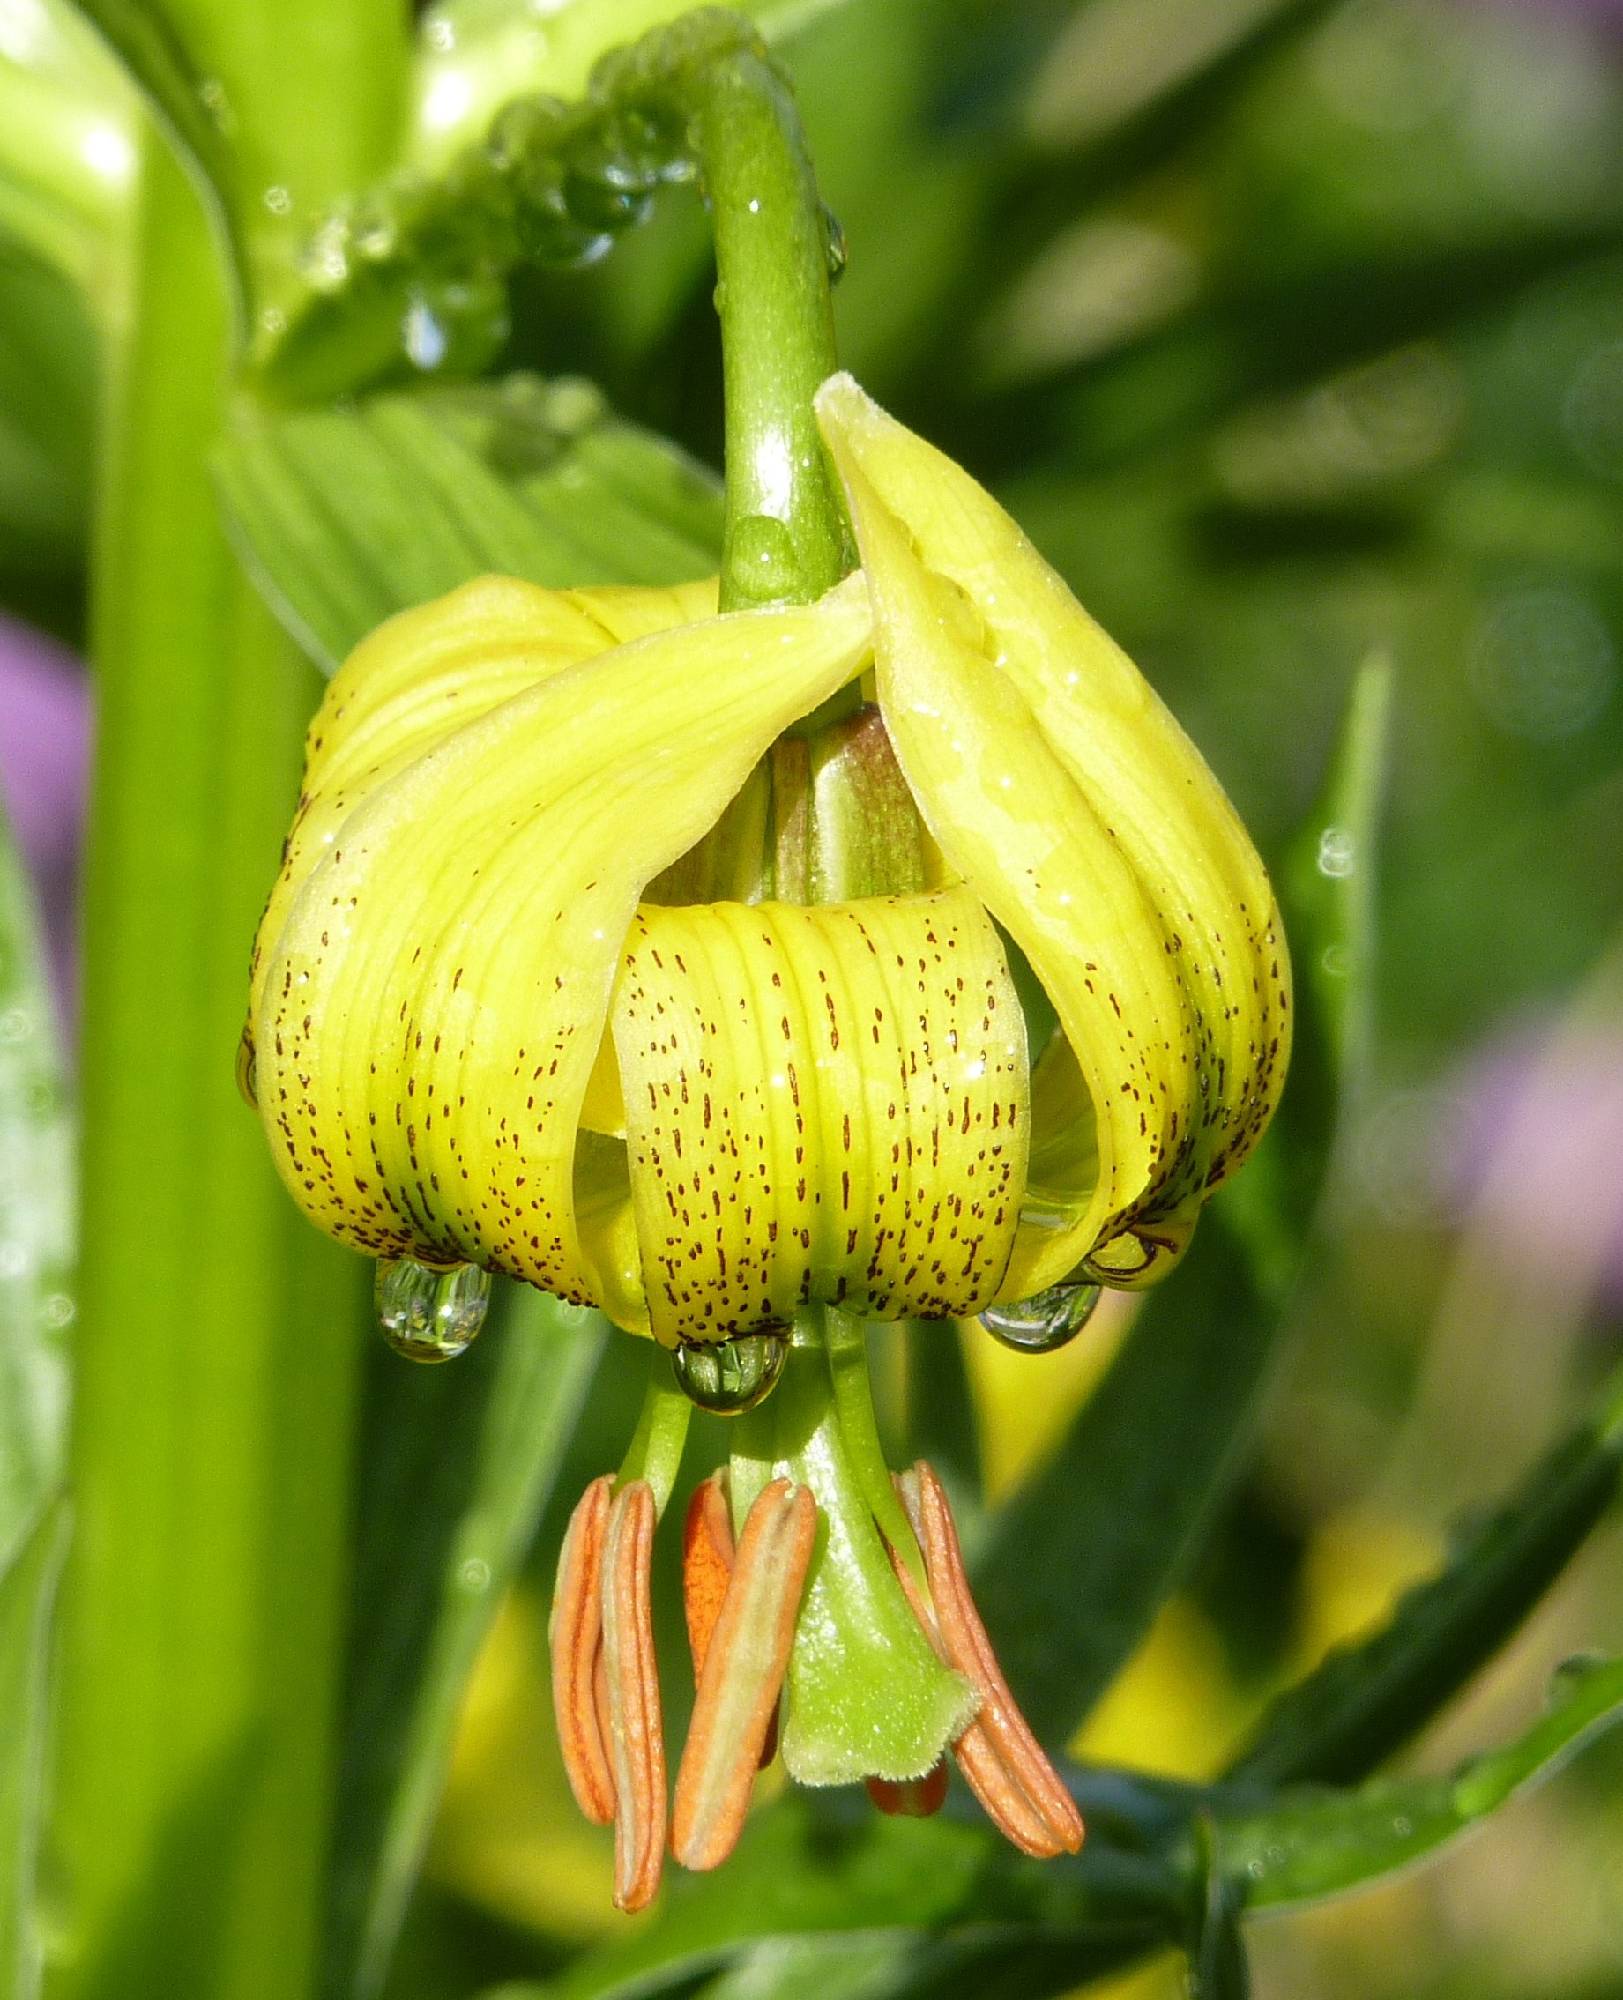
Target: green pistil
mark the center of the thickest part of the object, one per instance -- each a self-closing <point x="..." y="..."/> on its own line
<point x="867" y="1694"/>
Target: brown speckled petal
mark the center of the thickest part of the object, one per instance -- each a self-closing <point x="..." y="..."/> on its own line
<point x="1064" y="793"/>
<point x="433" y="998"/>
<point x="822" y="1104"/>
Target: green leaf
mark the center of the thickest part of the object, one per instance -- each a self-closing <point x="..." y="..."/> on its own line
<point x="821" y="1868"/>
<point x="1327" y="887"/>
<point x="48" y="389"/>
<point x="1073" y="1569"/>
<point x="67" y="147"/>
<point x="1217" y="1961"/>
<point x="347" y="516"/>
<point x="990" y="1961"/>
<point x="152" y="44"/>
<point x="36" y="1306"/>
<point x="1367" y="1699"/>
<point x="480" y="54"/>
<point x="1316" y="1844"/>
<point x="456" y="1465"/>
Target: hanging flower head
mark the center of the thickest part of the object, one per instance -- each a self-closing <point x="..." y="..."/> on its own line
<point x="482" y="1034"/>
<point x="594" y="962"/>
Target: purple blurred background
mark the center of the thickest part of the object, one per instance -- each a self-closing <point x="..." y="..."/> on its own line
<point x="44" y="779"/>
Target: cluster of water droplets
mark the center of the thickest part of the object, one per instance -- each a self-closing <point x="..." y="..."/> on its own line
<point x="1048" y="1319"/>
<point x="728" y="1377"/>
<point x="550" y="183"/>
<point x="428" y="1314"/>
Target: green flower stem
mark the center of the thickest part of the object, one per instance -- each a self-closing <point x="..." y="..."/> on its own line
<point x="785" y="538"/>
<point x="867" y="1694"/>
<point x="847" y="1343"/>
<point x="655" y="1451"/>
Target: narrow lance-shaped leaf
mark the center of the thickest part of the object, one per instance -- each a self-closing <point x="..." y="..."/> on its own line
<point x="36" y="1230"/>
<point x="1320" y="1843"/>
<point x="347" y="516"/>
<point x="1367" y="1699"/>
<point x="455" y="1466"/>
<point x="993" y="1961"/>
<point x="1076" y="1565"/>
<point x="1217" y="1962"/>
<point x="821" y="1871"/>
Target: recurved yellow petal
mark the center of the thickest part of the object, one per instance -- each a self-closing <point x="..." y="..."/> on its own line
<point x="433" y="991"/>
<point x="1067" y="796"/>
<point x="434" y="669"/>
<point x="822" y="1103"/>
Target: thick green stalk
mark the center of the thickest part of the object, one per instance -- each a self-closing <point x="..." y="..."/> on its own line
<point x="202" y="1608"/>
<point x="785" y="540"/>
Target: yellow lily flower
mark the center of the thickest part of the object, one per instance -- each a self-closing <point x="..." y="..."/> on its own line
<point x="475" y="1042"/>
<point x="521" y="1004"/>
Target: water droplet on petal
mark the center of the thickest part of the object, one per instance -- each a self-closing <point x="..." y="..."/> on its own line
<point x="727" y="1377"/>
<point x="1045" y="1321"/>
<point x="430" y="1315"/>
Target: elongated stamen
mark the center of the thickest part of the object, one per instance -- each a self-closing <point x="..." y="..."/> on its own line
<point x="976" y="1753"/>
<point x="707" y="1564"/>
<point x="708" y="1553"/>
<point x="636" y="1730"/>
<point x="1000" y="1758"/>
<point x="574" y="1637"/>
<point x="744" y="1664"/>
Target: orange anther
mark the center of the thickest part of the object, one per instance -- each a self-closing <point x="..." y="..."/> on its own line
<point x="744" y="1664"/>
<point x="574" y="1636"/>
<point x="1000" y="1758"/>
